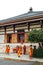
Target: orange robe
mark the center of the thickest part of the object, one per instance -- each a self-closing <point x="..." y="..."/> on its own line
<point x="30" y="52"/>
<point x="19" y="52"/>
<point x="7" y="49"/>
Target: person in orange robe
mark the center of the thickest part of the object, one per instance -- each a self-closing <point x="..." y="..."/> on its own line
<point x="7" y="49"/>
<point x="19" y="51"/>
<point x="17" y="48"/>
<point x="30" y="51"/>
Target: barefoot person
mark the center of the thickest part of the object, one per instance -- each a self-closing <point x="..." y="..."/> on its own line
<point x="30" y="51"/>
<point x="19" y="51"/>
<point x="7" y="49"/>
<point x="24" y="49"/>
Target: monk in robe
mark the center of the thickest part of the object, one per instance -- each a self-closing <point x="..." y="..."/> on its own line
<point x="24" y="49"/>
<point x="30" y="51"/>
<point x="7" y="49"/>
<point x="19" y="51"/>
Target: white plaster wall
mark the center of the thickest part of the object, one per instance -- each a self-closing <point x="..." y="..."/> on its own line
<point x="1" y="38"/>
<point x="3" y="46"/>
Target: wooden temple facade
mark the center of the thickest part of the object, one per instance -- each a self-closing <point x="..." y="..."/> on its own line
<point x="16" y="29"/>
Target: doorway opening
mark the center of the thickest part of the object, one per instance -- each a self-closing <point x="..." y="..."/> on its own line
<point x="20" y="36"/>
<point x="9" y="38"/>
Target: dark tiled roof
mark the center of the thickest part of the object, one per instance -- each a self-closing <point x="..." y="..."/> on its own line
<point x="29" y="14"/>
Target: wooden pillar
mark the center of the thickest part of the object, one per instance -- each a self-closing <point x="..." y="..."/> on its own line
<point x="5" y="29"/>
<point x="26" y="37"/>
<point x="5" y="38"/>
<point x="28" y="26"/>
<point x="26" y="34"/>
<point x="5" y="35"/>
<point x="14" y="28"/>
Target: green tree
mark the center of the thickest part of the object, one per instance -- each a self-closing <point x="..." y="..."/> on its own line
<point x="35" y="36"/>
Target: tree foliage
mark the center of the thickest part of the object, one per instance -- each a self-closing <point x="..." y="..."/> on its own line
<point x="35" y="36"/>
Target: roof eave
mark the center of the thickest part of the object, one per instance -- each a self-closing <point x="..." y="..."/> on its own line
<point x="22" y="20"/>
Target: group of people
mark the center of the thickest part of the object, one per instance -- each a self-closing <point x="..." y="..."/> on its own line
<point x="20" y="50"/>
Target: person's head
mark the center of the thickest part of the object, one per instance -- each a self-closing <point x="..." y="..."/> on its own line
<point x="8" y="45"/>
<point x="17" y="47"/>
<point x="34" y="47"/>
<point x="31" y="46"/>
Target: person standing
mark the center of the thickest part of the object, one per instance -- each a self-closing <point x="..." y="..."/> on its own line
<point x="24" y="49"/>
<point x="30" y="51"/>
<point x="7" y="49"/>
<point x="19" y="51"/>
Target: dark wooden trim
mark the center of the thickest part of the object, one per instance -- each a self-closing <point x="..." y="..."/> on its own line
<point x="5" y="29"/>
<point x="28" y="26"/>
<point x="35" y="23"/>
<point x="13" y="28"/>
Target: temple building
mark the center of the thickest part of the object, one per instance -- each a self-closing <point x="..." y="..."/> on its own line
<point x="16" y="29"/>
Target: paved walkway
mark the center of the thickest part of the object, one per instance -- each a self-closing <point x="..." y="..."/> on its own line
<point x="22" y="58"/>
<point x="11" y="62"/>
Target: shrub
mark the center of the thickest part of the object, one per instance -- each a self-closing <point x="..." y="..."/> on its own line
<point x="38" y="53"/>
<point x="35" y="36"/>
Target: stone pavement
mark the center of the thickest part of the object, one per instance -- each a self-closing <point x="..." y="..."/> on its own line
<point x="22" y="58"/>
<point x="11" y="62"/>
